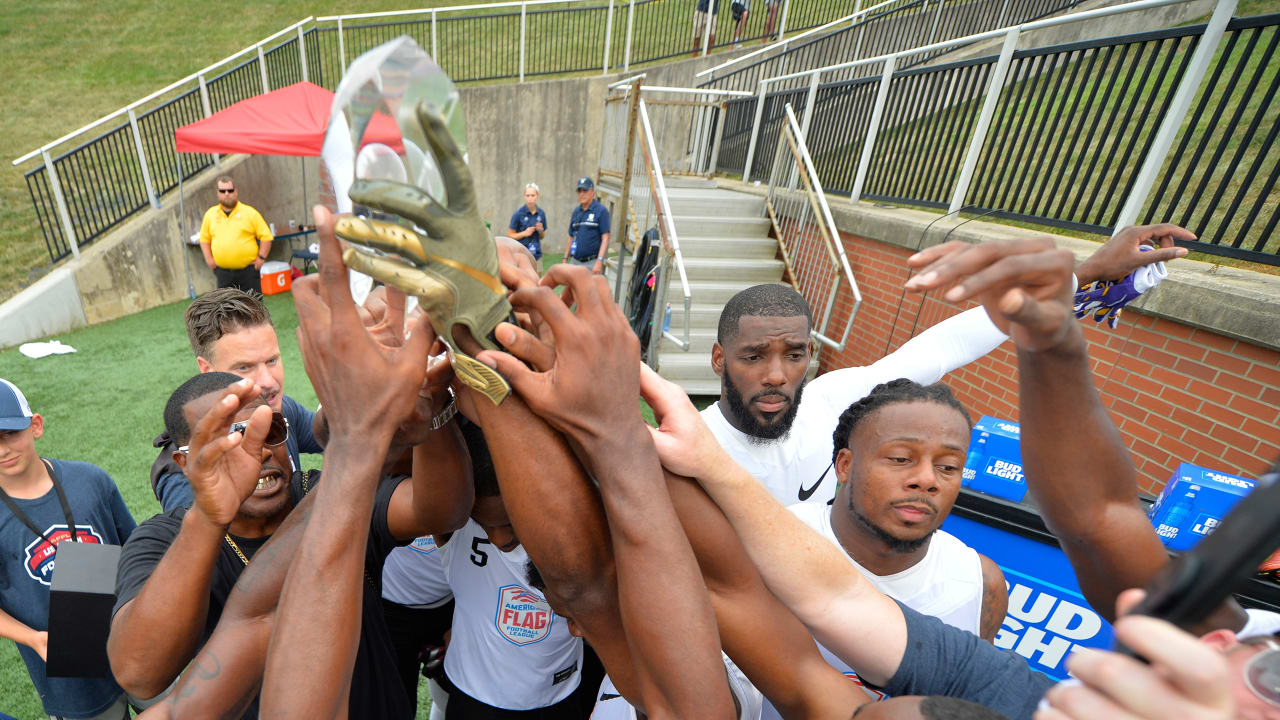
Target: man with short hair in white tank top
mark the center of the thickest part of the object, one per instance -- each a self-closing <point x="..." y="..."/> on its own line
<point x="899" y="453"/>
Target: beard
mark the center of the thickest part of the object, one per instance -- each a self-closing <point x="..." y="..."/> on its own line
<point x="758" y="432"/>
<point x="894" y="543"/>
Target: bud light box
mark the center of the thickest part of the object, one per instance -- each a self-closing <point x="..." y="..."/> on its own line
<point x="1193" y="503"/>
<point x="994" y="465"/>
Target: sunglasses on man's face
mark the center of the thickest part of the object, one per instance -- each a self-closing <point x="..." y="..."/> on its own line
<point x="226" y="190"/>
<point x="277" y="434"/>
<point x="1262" y="671"/>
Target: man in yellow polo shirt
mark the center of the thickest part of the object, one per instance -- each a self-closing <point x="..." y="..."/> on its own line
<point x="235" y="240"/>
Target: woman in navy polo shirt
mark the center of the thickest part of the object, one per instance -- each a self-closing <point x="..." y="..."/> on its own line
<point x="529" y="222"/>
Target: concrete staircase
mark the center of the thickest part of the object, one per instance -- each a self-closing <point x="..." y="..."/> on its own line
<point x="724" y="237"/>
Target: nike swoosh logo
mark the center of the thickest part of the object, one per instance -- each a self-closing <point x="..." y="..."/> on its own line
<point x="805" y="493"/>
<point x="608" y="696"/>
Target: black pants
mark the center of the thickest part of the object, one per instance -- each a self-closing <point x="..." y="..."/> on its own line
<point x="411" y="630"/>
<point x="577" y="706"/>
<point x="246" y="278"/>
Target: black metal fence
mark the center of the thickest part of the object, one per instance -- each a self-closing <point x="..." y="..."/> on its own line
<point x="1072" y="127"/>
<point x="899" y="26"/>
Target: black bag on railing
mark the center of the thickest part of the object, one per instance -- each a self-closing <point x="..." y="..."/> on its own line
<point x="640" y="294"/>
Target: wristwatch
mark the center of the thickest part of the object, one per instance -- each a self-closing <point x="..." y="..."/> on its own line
<point x="444" y="416"/>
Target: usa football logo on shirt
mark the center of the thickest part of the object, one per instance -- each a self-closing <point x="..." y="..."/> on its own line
<point x="522" y="617"/>
<point x="425" y="545"/>
<point x="41" y="553"/>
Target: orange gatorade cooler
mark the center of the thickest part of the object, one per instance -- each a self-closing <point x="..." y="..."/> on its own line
<point x="276" y="278"/>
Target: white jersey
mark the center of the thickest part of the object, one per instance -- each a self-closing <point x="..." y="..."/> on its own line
<point x="612" y="706"/>
<point x="413" y="575"/>
<point x="798" y="466"/>
<point x="508" y="649"/>
<point x="1260" y="624"/>
<point x="946" y="584"/>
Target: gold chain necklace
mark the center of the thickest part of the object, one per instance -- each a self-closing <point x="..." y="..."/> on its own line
<point x="236" y="548"/>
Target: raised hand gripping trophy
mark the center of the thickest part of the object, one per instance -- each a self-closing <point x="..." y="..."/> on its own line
<point x="415" y="223"/>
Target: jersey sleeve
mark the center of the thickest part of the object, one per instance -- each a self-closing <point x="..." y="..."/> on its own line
<point x="302" y="423"/>
<point x="380" y="537"/>
<point x="952" y="343"/>
<point x="515" y="221"/>
<point x="605" y="222"/>
<point x="945" y="660"/>
<point x="142" y="553"/>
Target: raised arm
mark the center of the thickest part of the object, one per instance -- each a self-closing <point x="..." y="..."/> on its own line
<point x="786" y="665"/>
<point x="155" y="634"/>
<point x="1077" y="467"/>
<point x="367" y="391"/>
<point x="227" y="672"/>
<point x="680" y="668"/>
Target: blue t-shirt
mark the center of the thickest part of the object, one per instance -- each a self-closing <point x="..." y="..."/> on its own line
<point x="585" y="229"/>
<point x="173" y="490"/>
<point x="522" y="220"/>
<point x="26" y="571"/>
<point x="944" y="660"/>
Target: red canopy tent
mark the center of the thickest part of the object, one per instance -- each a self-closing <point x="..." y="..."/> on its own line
<point x="289" y="121"/>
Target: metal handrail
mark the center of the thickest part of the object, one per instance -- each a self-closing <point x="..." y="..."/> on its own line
<point x="890" y="59"/>
<point x="671" y="242"/>
<point x="850" y="19"/>
<point x="817" y="202"/>
<point x="195" y="76"/>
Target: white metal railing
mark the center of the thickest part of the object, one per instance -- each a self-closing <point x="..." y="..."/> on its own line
<point x="690" y="124"/>
<point x="1010" y="34"/>
<point x="811" y="247"/>
<point x="782" y="44"/>
<point x="193" y="77"/>
<point x="660" y="210"/>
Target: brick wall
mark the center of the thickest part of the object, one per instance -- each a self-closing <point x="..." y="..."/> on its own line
<point x="1177" y="393"/>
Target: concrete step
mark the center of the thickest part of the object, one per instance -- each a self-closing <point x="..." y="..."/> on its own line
<point x="703" y="225"/>
<point x="715" y="202"/>
<point x="712" y="292"/>
<point x="701" y="339"/>
<point x="754" y="271"/>
<point x="695" y="246"/>
<point x="695" y="367"/>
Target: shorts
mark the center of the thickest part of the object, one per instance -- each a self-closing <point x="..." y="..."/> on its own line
<point x="119" y="710"/>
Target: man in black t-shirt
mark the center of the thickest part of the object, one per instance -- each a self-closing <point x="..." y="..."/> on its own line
<point x="176" y="579"/>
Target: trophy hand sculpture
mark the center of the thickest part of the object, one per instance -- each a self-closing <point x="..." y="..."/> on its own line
<point x="448" y="259"/>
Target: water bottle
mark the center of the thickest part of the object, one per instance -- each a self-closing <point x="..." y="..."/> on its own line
<point x="666" y="320"/>
<point x="1178" y="513"/>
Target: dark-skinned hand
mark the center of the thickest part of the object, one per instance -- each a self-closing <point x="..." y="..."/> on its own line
<point x="1024" y="285"/>
<point x="1121" y="255"/>
<point x="588" y="390"/>
<point x="365" y="386"/>
<point x="223" y="468"/>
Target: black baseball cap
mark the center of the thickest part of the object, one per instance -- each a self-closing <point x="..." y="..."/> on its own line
<point x="584" y="183"/>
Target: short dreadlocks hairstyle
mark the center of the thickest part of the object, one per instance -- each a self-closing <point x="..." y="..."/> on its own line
<point x="769" y="300"/>
<point x="222" y="311"/>
<point x="893" y="392"/>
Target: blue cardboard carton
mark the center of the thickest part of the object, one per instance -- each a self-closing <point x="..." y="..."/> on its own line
<point x="994" y="464"/>
<point x="1193" y="503"/>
